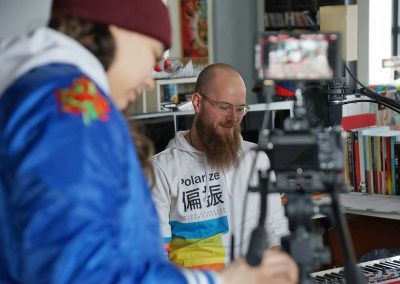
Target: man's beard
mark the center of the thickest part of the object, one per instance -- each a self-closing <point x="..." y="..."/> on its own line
<point x="222" y="151"/>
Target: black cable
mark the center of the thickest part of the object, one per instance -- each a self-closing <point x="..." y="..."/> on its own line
<point x="371" y="101"/>
<point x="387" y="102"/>
<point x="358" y="101"/>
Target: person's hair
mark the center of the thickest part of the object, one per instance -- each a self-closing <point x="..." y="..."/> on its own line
<point x="97" y="38"/>
<point x="144" y="147"/>
<point x="206" y="78"/>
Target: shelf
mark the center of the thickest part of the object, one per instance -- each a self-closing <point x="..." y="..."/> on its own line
<point x="289" y="20"/>
<point x="293" y="5"/>
<point x="375" y="205"/>
<point x="155" y="97"/>
<point x="331" y="2"/>
<point x="287" y="28"/>
<point x="166" y="81"/>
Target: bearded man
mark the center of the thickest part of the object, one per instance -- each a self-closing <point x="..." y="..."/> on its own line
<point x="202" y="177"/>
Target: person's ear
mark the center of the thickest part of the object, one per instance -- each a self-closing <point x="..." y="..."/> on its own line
<point x="196" y="101"/>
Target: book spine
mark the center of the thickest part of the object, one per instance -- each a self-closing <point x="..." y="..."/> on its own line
<point x="361" y="152"/>
<point x="346" y="159"/>
<point x="351" y="161"/>
<point x="369" y="172"/>
<point x="397" y="166"/>
<point x="383" y="164"/>
<point x="392" y="160"/>
<point x="388" y="166"/>
<point x="356" y="157"/>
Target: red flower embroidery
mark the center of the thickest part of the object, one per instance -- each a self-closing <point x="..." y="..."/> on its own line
<point x="82" y="97"/>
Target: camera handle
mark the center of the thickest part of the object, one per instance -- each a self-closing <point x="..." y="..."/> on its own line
<point x="259" y="236"/>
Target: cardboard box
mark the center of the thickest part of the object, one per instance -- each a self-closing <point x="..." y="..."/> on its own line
<point x="343" y="19"/>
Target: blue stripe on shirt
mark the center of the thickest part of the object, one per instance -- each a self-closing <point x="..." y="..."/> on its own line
<point x="199" y="230"/>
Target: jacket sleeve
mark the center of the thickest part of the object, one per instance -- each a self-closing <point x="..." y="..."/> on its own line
<point x="77" y="206"/>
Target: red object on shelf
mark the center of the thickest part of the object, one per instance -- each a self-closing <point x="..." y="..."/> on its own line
<point x="358" y="121"/>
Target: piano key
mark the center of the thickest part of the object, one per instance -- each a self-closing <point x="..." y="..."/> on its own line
<point x="380" y="271"/>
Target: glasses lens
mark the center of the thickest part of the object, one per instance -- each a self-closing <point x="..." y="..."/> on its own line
<point x="245" y="110"/>
<point x="225" y="107"/>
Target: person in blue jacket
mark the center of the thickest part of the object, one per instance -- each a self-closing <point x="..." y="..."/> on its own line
<point x="75" y="206"/>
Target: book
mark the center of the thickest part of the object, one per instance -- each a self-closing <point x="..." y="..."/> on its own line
<point x="357" y="162"/>
<point x="384" y="168"/>
<point x="397" y="167"/>
<point x="360" y="153"/>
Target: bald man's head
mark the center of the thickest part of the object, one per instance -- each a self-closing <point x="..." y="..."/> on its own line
<point x="209" y="75"/>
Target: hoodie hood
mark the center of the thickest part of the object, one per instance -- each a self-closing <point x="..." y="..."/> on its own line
<point x="179" y="142"/>
<point x="44" y="46"/>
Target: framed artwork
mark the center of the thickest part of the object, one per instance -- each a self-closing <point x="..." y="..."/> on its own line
<point x="195" y="27"/>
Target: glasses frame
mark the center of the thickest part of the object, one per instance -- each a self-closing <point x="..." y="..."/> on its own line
<point x="226" y="108"/>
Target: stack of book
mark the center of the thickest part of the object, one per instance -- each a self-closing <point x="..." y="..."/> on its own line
<point x="371" y="156"/>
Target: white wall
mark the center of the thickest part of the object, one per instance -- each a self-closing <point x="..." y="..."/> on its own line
<point x="374" y="43"/>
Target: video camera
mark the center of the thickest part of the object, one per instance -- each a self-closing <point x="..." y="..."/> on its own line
<point x="301" y="157"/>
<point x="304" y="159"/>
<point x="299" y="154"/>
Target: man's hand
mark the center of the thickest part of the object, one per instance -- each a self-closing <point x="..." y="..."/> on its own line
<point x="276" y="267"/>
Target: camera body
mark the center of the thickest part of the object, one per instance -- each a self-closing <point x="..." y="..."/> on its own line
<point x="308" y="159"/>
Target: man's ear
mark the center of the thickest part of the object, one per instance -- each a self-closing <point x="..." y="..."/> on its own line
<point x="196" y="101"/>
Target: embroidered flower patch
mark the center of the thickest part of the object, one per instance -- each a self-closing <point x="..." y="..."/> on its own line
<point x="82" y="97"/>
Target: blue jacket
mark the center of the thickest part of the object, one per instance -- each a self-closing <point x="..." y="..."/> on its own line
<point x="74" y="204"/>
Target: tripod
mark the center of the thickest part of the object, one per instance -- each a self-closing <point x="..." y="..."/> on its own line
<point x="305" y="246"/>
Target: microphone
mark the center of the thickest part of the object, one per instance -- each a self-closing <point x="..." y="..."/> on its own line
<point x="335" y="111"/>
<point x="335" y="89"/>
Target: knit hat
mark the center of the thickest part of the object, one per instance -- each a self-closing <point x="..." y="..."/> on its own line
<point x="147" y="17"/>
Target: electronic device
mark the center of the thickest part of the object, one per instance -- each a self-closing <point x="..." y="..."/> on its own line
<point x="298" y="56"/>
<point x="385" y="270"/>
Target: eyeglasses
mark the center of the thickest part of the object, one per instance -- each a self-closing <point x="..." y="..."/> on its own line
<point x="227" y="108"/>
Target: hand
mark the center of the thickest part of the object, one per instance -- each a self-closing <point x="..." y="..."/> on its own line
<point x="276" y="267"/>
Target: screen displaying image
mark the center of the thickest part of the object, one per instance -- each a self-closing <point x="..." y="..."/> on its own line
<point x="300" y="56"/>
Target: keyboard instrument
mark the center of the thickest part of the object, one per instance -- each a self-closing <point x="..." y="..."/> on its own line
<point x="386" y="270"/>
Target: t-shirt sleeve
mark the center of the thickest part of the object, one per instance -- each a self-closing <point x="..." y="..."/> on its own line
<point x="162" y="199"/>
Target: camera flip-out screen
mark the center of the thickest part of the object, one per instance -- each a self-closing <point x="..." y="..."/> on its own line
<point x="299" y="56"/>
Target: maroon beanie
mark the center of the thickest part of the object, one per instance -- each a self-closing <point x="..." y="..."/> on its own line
<point x="148" y="17"/>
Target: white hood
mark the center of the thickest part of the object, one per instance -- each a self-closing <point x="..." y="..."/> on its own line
<point x="179" y="142"/>
<point x="43" y="46"/>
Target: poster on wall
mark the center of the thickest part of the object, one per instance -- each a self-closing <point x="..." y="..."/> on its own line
<point x="194" y="23"/>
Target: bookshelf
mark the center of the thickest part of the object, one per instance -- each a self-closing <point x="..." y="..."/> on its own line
<point x="291" y="15"/>
<point x="151" y="101"/>
<point x="156" y="97"/>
